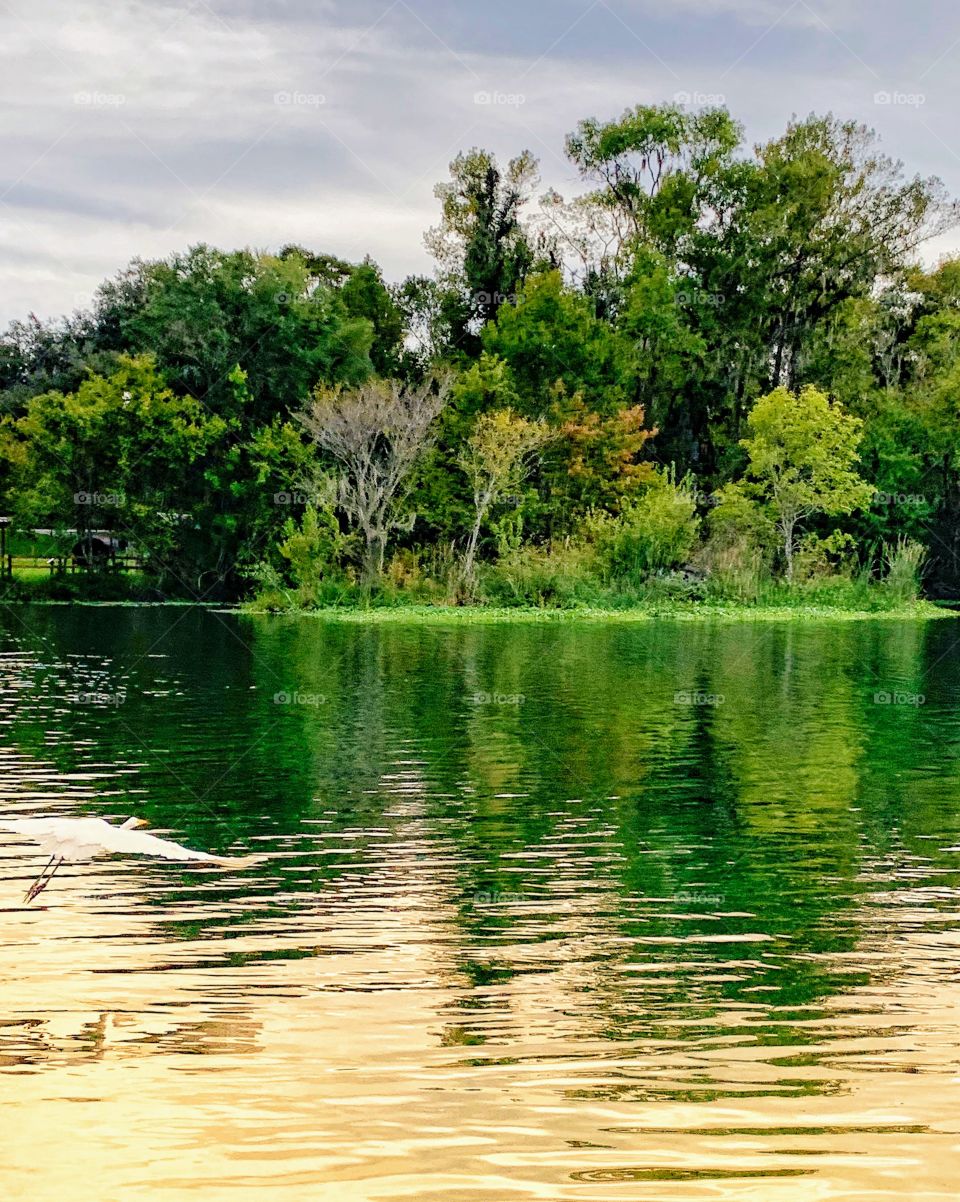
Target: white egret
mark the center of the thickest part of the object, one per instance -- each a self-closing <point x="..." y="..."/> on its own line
<point x="79" y="839"/>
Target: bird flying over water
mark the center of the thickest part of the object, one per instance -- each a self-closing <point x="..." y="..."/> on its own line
<point x="78" y="839"/>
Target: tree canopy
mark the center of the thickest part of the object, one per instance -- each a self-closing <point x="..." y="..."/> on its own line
<point x="752" y="328"/>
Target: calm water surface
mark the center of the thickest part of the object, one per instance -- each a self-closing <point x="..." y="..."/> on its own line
<point x="584" y="912"/>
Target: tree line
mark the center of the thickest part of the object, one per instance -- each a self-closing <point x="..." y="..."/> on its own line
<point x="714" y="369"/>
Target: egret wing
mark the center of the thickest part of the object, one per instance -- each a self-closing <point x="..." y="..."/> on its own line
<point x="139" y="843"/>
<point x="31" y="827"/>
<point x="91" y="835"/>
<point x="44" y="831"/>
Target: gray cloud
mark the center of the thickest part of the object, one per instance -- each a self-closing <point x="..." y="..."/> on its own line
<point x="138" y="128"/>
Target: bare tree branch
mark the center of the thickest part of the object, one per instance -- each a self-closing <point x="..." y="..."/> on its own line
<point x="377" y="432"/>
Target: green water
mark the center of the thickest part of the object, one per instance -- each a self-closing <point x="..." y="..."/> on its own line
<point x="560" y="911"/>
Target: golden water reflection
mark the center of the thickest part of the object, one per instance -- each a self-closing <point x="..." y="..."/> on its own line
<point x="436" y="988"/>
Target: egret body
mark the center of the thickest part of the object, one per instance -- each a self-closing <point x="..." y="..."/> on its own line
<point x="78" y="839"/>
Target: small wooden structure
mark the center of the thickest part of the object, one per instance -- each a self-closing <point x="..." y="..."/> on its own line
<point x="67" y="551"/>
<point x="97" y="550"/>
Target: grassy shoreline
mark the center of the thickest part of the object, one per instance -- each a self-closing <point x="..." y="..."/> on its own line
<point x="436" y="613"/>
<point x="676" y="611"/>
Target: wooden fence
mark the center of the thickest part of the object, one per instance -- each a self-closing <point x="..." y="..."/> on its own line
<point x="63" y="565"/>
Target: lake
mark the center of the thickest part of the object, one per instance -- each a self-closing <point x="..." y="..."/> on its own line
<point x="564" y="911"/>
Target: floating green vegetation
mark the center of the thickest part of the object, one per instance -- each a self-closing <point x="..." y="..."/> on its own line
<point x="680" y="612"/>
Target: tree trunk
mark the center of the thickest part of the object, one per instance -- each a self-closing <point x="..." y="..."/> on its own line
<point x="373" y="560"/>
<point x="482" y="504"/>
<point x="788" y="529"/>
<point x="778" y="356"/>
<point x="472" y="547"/>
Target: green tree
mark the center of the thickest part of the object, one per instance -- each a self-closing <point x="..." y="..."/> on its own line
<point x="668" y="351"/>
<point x="435" y="315"/>
<point x="203" y="313"/>
<point x="581" y="374"/>
<point x="803" y="460"/>
<point x="785" y="243"/>
<point x="651" y="165"/>
<point x="42" y="356"/>
<point x="123" y="453"/>
<point x="366" y="297"/>
<point x="481" y="242"/>
<point x="832" y="215"/>
<point x="497" y="458"/>
<point x="552" y="336"/>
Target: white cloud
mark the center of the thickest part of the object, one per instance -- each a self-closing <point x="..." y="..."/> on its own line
<point x="138" y="128"/>
<point x="791" y="13"/>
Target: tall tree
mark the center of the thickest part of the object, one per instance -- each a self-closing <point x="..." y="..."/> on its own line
<point x="123" y="453"/>
<point x="829" y="215"/>
<point x="39" y="356"/>
<point x="651" y="166"/>
<point x="567" y="365"/>
<point x="481" y="243"/>
<point x="206" y="312"/>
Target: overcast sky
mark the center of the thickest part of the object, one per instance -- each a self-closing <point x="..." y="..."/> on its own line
<point x="138" y="128"/>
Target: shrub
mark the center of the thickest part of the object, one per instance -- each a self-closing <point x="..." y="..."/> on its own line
<point x="736" y="570"/>
<point x="739" y="547"/>
<point x="558" y="576"/>
<point x="421" y="575"/>
<point x="313" y="552"/>
<point x="821" y="558"/>
<point x="653" y="534"/>
<point x="904" y="561"/>
<point x="313" y="549"/>
<point x="737" y="518"/>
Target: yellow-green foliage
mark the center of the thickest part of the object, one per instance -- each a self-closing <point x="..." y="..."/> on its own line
<point x="314" y="548"/>
<point x="904" y="561"/>
<point x="820" y="557"/>
<point x="652" y="534"/>
<point x="803" y="460"/>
